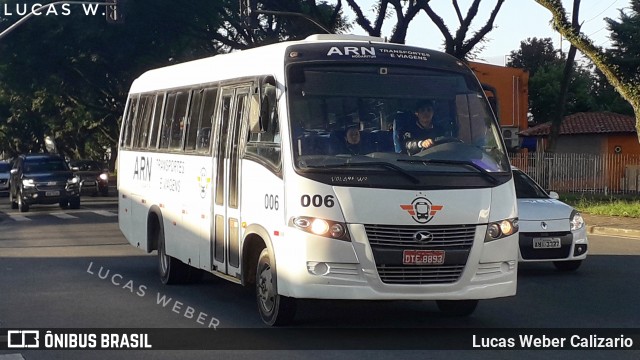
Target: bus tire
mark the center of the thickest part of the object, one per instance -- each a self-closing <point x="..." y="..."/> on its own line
<point x="571" y="265"/>
<point x="274" y="309"/>
<point x="172" y="270"/>
<point x="458" y="308"/>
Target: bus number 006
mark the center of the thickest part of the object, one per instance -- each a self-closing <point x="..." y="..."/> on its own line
<point x="317" y="201"/>
<point x="271" y="202"/>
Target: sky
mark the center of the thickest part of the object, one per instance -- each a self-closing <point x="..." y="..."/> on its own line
<point x="517" y="20"/>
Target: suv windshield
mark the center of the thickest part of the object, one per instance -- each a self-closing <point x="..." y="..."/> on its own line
<point x="342" y="116"/>
<point x="44" y="165"/>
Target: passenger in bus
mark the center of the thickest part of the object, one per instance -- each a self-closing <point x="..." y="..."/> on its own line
<point x="415" y="132"/>
<point x="351" y="142"/>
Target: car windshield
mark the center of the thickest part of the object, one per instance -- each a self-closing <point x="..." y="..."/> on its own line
<point x="44" y="165"/>
<point x="5" y="167"/>
<point x="351" y="117"/>
<point x="526" y="188"/>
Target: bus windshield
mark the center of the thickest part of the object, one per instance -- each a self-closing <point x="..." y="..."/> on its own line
<point x="349" y="117"/>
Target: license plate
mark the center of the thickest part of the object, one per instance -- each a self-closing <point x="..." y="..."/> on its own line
<point x="423" y="257"/>
<point x="546" y="243"/>
<point x="52" y="193"/>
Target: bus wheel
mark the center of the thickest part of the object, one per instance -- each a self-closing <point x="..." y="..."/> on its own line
<point x="172" y="270"/>
<point x="274" y="309"/>
<point x="457" y="307"/>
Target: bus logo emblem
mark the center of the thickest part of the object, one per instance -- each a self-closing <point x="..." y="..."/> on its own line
<point x="423" y="237"/>
<point x="421" y="210"/>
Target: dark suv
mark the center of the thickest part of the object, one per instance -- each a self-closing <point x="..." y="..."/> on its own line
<point x="43" y="179"/>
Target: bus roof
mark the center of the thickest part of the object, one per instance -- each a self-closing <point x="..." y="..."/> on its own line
<point x="270" y="59"/>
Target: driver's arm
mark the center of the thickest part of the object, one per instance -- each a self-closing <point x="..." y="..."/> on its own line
<point x="414" y="146"/>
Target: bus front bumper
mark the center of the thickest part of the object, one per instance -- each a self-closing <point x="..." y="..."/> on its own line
<point x="347" y="270"/>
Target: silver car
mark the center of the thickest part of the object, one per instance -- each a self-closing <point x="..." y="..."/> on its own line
<point x="550" y="230"/>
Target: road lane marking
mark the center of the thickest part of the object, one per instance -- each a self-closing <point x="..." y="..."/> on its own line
<point x="62" y="215"/>
<point x="104" y="213"/>
<point x="19" y="218"/>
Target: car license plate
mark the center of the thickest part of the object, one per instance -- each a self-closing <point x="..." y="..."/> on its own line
<point x="423" y="257"/>
<point x="546" y="243"/>
<point x="52" y="193"/>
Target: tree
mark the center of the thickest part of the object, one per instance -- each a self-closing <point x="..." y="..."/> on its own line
<point x="545" y="88"/>
<point x="456" y="44"/>
<point x="628" y="85"/>
<point x="533" y="54"/>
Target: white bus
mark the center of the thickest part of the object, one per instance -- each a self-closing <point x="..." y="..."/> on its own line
<point x="236" y="165"/>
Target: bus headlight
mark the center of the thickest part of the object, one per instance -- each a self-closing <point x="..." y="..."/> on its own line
<point x="499" y="229"/>
<point x="327" y="228"/>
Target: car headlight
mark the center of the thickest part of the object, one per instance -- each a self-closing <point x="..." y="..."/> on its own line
<point x="28" y="183"/>
<point x="104" y="177"/>
<point x="73" y="180"/>
<point x="577" y="222"/>
<point x="500" y="229"/>
<point x="327" y="228"/>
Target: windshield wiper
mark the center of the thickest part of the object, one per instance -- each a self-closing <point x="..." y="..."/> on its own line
<point x="383" y="164"/>
<point x="473" y="165"/>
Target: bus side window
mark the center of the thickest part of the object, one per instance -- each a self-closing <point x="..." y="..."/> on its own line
<point x="128" y="122"/>
<point x="203" y="140"/>
<point x="193" y="121"/>
<point x="266" y="144"/>
<point x="165" y="127"/>
<point x="178" y="121"/>
<point x="156" y="122"/>
<point x="141" y="133"/>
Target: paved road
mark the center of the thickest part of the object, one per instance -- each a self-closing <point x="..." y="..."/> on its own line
<point x="77" y="271"/>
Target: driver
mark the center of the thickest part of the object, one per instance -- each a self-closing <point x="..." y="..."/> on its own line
<point x="417" y="132"/>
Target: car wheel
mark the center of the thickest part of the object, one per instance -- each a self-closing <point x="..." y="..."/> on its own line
<point x="572" y="265"/>
<point x="274" y="309"/>
<point x="172" y="270"/>
<point x="457" y="307"/>
<point x="23" y="206"/>
<point x="14" y="204"/>
<point x="105" y="191"/>
<point x="74" y="203"/>
<point x="64" y="204"/>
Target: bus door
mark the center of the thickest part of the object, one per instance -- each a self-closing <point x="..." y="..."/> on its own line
<point x="233" y="110"/>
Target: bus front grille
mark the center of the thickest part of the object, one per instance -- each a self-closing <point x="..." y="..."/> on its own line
<point x="389" y="243"/>
<point x="420" y="275"/>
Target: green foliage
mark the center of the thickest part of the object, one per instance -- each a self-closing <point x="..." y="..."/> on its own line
<point x="544" y="90"/>
<point x="624" y="41"/>
<point x="588" y="90"/>
<point x="598" y="204"/>
<point x="534" y="54"/>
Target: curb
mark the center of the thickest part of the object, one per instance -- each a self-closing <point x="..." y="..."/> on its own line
<point x="601" y="230"/>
